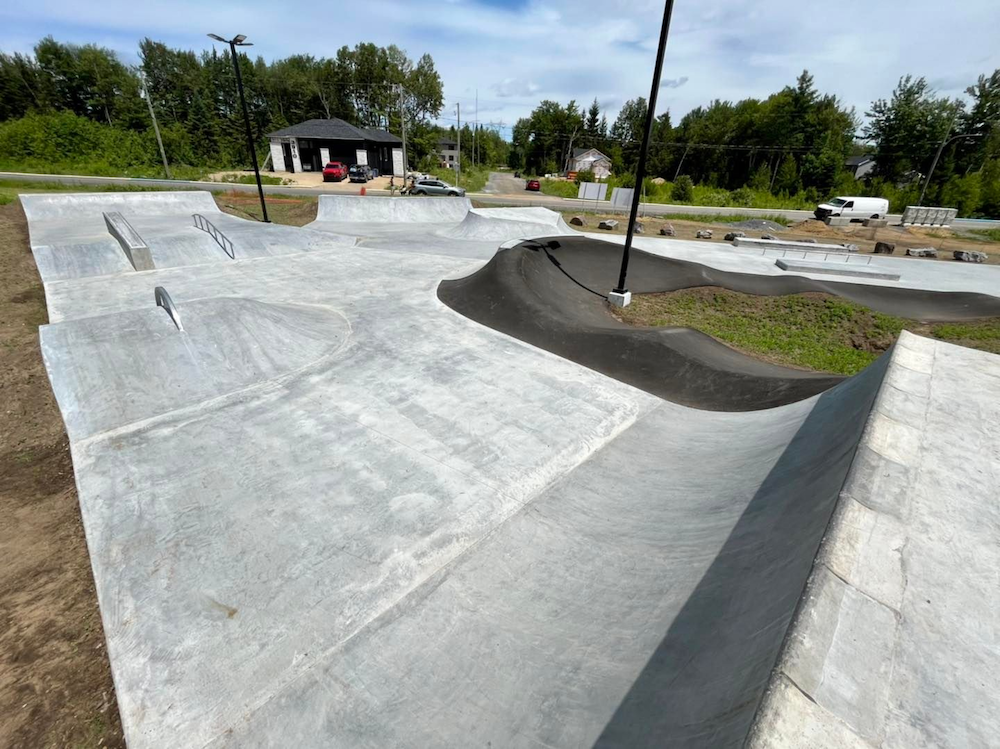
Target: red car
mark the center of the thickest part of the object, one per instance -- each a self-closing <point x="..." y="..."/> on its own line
<point x="533" y="184"/>
<point x="335" y="171"/>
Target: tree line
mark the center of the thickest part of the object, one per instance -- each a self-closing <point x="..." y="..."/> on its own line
<point x="67" y="103"/>
<point x="794" y="143"/>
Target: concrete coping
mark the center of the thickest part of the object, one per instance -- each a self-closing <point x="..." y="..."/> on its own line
<point x="788" y="244"/>
<point x="835" y="269"/>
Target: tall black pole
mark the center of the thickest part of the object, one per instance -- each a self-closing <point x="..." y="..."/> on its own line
<point x="640" y="171"/>
<point x="246" y="121"/>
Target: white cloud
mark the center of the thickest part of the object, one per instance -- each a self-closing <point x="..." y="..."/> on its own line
<point x="572" y="49"/>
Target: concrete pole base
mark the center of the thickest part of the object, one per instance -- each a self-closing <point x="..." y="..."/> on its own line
<point x="620" y="298"/>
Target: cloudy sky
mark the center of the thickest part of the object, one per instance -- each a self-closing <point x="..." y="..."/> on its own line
<point x="517" y="52"/>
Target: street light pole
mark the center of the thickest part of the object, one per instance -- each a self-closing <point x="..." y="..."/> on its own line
<point x="620" y="295"/>
<point x="240" y="40"/>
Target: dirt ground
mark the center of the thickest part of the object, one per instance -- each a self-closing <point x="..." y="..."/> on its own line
<point x="945" y="240"/>
<point x="55" y="682"/>
<point x="313" y="179"/>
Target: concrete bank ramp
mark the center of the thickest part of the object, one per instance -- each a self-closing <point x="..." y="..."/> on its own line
<point x="113" y="370"/>
<point x="376" y="209"/>
<point x="503" y="224"/>
<point x="69" y="242"/>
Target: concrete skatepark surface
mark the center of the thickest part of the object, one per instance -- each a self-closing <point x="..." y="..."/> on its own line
<point x="335" y="512"/>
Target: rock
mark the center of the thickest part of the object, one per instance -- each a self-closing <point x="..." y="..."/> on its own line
<point x="922" y="252"/>
<point x="970" y="256"/>
<point x="659" y="181"/>
<point x="733" y="235"/>
<point x="704" y="234"/>
<point x="807" y="241"/>
<point x="884" y="248"/>
<point x="668" y="231"/>
<point x="850" y="247"/>
<point x="768" y="236"/>
<point x="608" y="223"/>
<point x="578" y="221"/>
<point x="639" y="228"/>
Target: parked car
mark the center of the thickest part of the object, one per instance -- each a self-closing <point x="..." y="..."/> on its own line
<point x="335" y="171"/>
<point x="533" y="184"/>
<point x="436" y="187"/>
<point x="358" y="173"/>
<point x="856" y="209"/>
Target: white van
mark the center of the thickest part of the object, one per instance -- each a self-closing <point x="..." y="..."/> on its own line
<point x="856" y="209"/>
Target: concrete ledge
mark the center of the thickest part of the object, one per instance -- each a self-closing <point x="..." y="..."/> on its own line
<point x="834" y="269"/>
<point x="788" y="244"/>
<point x="132" y="244"/>
<point x="888" y="646"/>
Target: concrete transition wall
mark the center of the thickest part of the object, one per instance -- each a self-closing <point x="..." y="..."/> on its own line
<point x="376" y="209"/>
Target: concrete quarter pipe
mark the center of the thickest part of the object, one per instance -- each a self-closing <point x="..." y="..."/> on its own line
<point x="333" y="511"/>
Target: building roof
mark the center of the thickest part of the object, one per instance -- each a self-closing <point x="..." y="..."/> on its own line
<point x="333" y="129"/>
<point x="858" y="160"/>
<point x="447" y="143"/>
<point x="578" y="152"/>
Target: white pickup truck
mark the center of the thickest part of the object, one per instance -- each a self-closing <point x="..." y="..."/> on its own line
<point x="856" y="209"/>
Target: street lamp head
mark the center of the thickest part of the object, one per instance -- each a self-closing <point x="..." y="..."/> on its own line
<point x="217" y="38"/>
<point x="238" y="39"/>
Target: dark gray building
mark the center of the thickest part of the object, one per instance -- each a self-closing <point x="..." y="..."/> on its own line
<point x="309" y="145"/>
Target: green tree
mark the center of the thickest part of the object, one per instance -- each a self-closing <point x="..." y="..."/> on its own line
<point x="683" y="191"/>
<point x="787" y="179"/>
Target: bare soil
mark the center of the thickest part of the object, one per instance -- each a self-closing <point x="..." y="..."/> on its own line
<point x="55" y="682"/>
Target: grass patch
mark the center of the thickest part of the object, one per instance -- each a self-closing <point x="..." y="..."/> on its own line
<point x="561" y="188"/>
<point x="812" y="331"/>
<point x="990" y="235"/>
<point x="291" y="210"/>
<point x="249" y="179"/>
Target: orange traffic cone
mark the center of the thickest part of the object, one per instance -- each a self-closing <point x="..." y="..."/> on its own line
<point x="362" y="191"/>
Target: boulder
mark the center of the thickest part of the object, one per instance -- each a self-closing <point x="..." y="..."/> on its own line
<point x="850" y="247"/>
<point x="608" y="223"/>
<point x="668" y="231"/>
<point x="768" y="236"/>
<point x="639" y="228"/>
<point x="704" y="234"/>
<point x="659" y="181"/>
<point x="733" y="235"/>
<point x="970" y="256"/>
<point x="884" y="248"/>
<point x="921" y="252"/>
<point x="578" y="221"/>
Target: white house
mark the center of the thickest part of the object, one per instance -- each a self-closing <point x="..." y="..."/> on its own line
<point x="592" y="160"/>
<point x="860" y="166"/>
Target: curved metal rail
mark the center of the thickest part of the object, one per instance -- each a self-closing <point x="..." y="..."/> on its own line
<point x="163" y="300"/>
<point x="221" y="239"/>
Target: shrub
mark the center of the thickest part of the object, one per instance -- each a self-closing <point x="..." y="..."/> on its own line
<point x="743" y="197"/>
<point x="585" y="176"/>
<point x="683" y="190"/>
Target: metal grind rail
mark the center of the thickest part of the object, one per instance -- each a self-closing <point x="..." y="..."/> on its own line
<point x="825" y="253"/>
<point x="221" y="239"/>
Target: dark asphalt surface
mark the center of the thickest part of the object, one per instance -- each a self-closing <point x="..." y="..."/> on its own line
<point x="550" y="294"/>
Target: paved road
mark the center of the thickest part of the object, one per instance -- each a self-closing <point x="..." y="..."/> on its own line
<point x="527" y="199"/>
<point x="504" y="183"/>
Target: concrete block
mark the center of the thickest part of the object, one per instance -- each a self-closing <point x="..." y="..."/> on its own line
<point x="132" y="245"/>
<point x="876" y="223"/>
<point x="834" y="269"/>
<point x="608" y="223"/>
<point x="837" y="221"/>
<point x="620" y="299"/>
<point x="970" y="256"/>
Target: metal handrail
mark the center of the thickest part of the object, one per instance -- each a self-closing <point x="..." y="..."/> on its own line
<point x="163" y="300"/>
<point x="221" y="239"/>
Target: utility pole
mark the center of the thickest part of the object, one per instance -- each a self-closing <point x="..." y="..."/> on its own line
<point x="240" y="40"/>
<point x="475" y="135"/>
<point x="402" y="126"/>
<point x="940" y="150"/>
<point x="620" y="295"/>
<point x="458" y="161"/>
<point x="156" y="127"/>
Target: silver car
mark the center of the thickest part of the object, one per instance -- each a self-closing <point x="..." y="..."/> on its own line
<point x="437" y="187"/>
